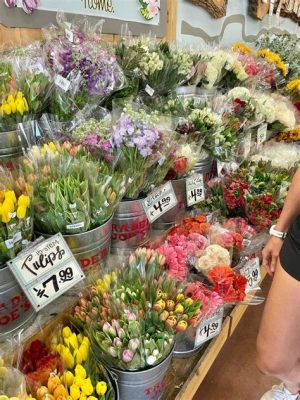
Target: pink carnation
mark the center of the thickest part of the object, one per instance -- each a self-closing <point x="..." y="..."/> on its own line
<point x="210" y="300"/>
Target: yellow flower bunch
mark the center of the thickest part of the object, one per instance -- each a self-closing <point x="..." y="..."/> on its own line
<point x="273" y="58"/>
<point x="14" y="104"/>
<point x="242" y="48"/>
<point x="103" y="285"/>
<point x="75" y="380"/>
<point x="293" y="135"/>
<point x="9" y="205"/>
<point x="293" y="86"/>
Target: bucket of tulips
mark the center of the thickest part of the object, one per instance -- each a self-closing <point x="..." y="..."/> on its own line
<point x="75" y="195"/>
<point x="133" y="319"/>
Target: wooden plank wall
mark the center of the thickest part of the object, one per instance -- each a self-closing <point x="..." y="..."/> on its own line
<point x="20" y="36"/>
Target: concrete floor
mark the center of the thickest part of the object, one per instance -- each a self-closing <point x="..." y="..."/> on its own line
<point x="234" y="375"/>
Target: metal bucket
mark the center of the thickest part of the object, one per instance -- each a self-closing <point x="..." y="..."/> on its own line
<point x="143" y="385"/>
<point x="205" y="167"/>
<point x="90" y="248"/>
<point x="130" y="227"/>
<point x="185" y="345"/>
<point x="170" y="218"/>
<point x="184" y="90"/>
<point x="15" y="309"/>
<point x="9" y="145"/>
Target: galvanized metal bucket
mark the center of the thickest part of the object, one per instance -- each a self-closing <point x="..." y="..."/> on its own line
<point x="15" y="309"/>
<point x="130" y="226"/>
<point x="205" y="166"/>
<point x="9" y="145"/>
<point x="170" y="218"/>
<point x="143" y="385"/>
<point x="186" y="90"/>
<point x="91" y="248"/>
<point x="185" y="345"/>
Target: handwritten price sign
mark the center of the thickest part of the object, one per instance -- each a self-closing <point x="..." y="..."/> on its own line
<point x="195" y="189"/>
<point x="209" y="328"/>
<point x="46" y="271"/>
<point x="262" y="134"/>
<point x="159" y="202"/>
<point x="252" y="273"/>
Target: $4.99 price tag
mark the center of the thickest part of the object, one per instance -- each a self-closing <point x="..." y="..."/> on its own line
<point x="252" y="273"/>
<point x="209" y="328"/>
<point x="46" y="271"/>
<point x="195" y="189"/>
<point x="159" y="202"/>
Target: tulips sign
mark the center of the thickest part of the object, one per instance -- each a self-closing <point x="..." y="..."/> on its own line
<point x="46" y="271"/>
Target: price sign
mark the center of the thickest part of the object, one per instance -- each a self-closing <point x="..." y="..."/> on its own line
<point x="62" y="82"/>
<point x="262" y="134"/>
<point x="69" y="35"/>
<point x="247" y="144"/>
<point x="252" y="273"/>
<point x="159" y="202"/>
<point x="149" y="90"/>
<point x="195" y="189"/>
<point x="46" y="271"/>
<point x="209" y="328"/>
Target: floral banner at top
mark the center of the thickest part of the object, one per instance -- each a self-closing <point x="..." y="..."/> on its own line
<point x="142" y="11"/>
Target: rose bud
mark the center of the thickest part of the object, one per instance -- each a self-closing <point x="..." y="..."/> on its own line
<point x="118" y="342"/>
<point x="133" y="344"/>
<point x="112" y="351"/>
<point x="179" y="309"/>
<point x="180" y="297"/>
<point x="170" y="305"/>
<point x="171" y="322"/>
<point x="164" y="315"/>
<point x="121" y="333"/>
<point x="127" y="356"/>
<point x="160" y="305"/>
<point x="181" y="326"/>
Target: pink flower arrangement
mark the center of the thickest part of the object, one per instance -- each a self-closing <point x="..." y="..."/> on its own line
<point x="178" y="248"/>
<point x="209" y="300"/>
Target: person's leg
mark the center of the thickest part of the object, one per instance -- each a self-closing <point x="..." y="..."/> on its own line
<point x="278" y="342"/>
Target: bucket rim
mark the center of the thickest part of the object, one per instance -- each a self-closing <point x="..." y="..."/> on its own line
<point x="78" y="234"/>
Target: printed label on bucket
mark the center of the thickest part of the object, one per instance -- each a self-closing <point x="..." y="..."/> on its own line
<point x="159" y="202"/>
<point x="209" y="328"/>
<point x="195" y="189"/>
<point x="46" y="271"/>
<point x="252" y="273"/>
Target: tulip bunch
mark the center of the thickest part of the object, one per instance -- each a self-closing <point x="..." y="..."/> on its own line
<point x="16" y="219"/>
<point x="133" y="318"/>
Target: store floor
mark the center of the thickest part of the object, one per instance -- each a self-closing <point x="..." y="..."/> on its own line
<point x="234" y="375"/>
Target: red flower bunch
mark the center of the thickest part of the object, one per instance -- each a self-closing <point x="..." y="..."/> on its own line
<point x="209" y="299"/>
<point x="241" y="226"/>
<point x="226" y="238"/>
<point x="238" y="104"/>
<point x="189" y="225"/>
<point x="262" y="211"/>
<point x="230" y="286"/>
<point x="38" y="363"/>
<point x="235" y="192"/>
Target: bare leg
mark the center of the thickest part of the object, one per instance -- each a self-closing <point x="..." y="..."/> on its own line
<point x="278" y="342"/>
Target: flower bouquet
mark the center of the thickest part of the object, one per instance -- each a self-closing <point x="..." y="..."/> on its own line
<point x="73" y="193"/>
<point x="16" y="214"/>
<point x="134" y="319"/>
<point x="85" y="67"/>
<point x="293" y="91"/>
<point x="280" y="68"/>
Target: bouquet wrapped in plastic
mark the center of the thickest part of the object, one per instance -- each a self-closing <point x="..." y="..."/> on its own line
<point x="16" y="221"/>
<point x="85" y="67"/>
<point x="136" y="315"/>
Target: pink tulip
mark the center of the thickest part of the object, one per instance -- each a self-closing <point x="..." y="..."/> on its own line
<point x="127" y="356"/>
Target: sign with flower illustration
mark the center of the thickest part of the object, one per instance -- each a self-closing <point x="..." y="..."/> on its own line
<point x="142" y="11"/>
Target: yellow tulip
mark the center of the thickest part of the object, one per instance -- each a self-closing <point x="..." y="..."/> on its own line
<point x="25" y="104"/>
<point x="78" y="381"/>
<point x="73" y="341"/>
<point x="21" y="212"/>
<point x="92" y="398"/>
<point x="87" y="387"/>
<point x="78" y="357"/>
<point x="52" y="146"/>
<point x="13" y="107"/>
<point x="84" y="351"/>
<point x="75" y="392"/>
<point x="10" y="194"/>
<point x="23" y="200"/>
<point x="80" y="371"/>
<point x="80" y="338"/>
<point x="10" y="98"/>
<point x="101" y="388"/>
<point x="66" y="332"/>
<point x="68" y="378"/>
<point x="68" y="358"/>
<point x="83" y="397"/>
<point x="6" y="109"/>
<point x="19" y="95"/>
<point x="86" y="341"/>
<point x="20" y="106"/>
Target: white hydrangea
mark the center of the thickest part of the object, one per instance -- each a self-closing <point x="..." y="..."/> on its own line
<point x="281" y="155"/>
<point x="265" y="107"/>
<point x="284" y="114"/>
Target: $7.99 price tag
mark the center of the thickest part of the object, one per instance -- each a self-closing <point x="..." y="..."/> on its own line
<point x="159" y="202"/>
<point x="195" y="189"/>
<point x="209" y="328"/>
<point x="46" y="271"/>
<point x="252" y="273"/>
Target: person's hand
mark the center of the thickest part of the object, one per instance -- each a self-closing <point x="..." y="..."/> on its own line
<point x="271" y="253"/>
